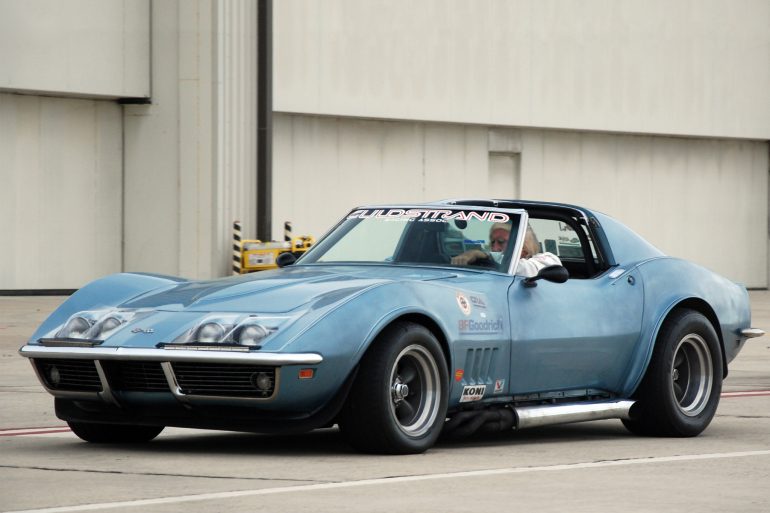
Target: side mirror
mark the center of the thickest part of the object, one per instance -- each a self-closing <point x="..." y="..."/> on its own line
<point x="285" y="259"/>
<point x="552" y="273"/>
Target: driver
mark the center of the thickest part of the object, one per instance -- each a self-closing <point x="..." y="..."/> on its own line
<point x="531" y="261"/>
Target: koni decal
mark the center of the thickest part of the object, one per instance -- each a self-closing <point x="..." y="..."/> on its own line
<point x="472" y="393"/>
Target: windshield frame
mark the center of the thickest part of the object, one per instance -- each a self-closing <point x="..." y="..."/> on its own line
<point x="335" y="234"/>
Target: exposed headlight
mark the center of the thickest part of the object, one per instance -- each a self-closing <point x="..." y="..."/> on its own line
<point x="97" y="324"/>
<point x="210" y="332"/>
<point x="107" y="326"/>
<point x="231" y="329"/>
<point x="77" y="327"/>
<point x="251" y="334"/>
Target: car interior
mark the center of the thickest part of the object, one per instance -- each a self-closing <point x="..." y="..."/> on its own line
<point x="561" y="230"/>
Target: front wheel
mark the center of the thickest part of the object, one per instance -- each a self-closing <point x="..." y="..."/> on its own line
<point x="680" y="392"/>
<point x="114" y="433"/>
<point x="398" y="402"/>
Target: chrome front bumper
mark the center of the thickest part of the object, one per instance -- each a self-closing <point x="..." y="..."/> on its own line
<point x="170" y="355"/>
<point x="165" y="358"/>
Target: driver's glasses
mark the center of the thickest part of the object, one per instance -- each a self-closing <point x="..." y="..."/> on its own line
<point x="498" y="243"/>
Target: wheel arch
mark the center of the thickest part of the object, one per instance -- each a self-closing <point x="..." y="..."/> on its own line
<point x="434" y="328"/>
<point x="368" y="419"/>
<point x="424" y="320"/>
<point x="649" y="338"/>
<point x="698" y="305"/>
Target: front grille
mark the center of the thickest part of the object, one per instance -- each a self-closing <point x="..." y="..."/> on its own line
<point x="136" y="376"/>
<point x="69" y="375"/>
<point x="225" y="380"/>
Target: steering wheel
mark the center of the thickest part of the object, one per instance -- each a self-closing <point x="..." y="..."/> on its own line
<point x="485" y="263"/>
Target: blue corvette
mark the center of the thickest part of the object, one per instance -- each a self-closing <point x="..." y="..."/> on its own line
<point x="383" y="329"/>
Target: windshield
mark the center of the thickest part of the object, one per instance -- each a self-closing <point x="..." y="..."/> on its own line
<point x="420" y="235"/>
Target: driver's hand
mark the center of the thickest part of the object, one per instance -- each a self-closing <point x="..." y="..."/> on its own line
<point x="469" y="257"/>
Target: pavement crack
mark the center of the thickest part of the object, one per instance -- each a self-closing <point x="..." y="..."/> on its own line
<point x="161" y="474"/>
<point x="746" y="416"/>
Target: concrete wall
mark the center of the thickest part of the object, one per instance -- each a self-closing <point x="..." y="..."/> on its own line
<point x="322" y="166"/>
<point x="190" y="155"/>
<point x="688" y="67"/>
<point x="377" y="102"/>
<point x="704" y="200"/>
<point x="701" y="199"/>
<point x="93" y="48"/>
<point x="89" y="187"/>
<point x="60" y="191"/>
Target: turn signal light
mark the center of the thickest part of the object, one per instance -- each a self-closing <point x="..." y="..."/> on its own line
<point x="306" y="373"/>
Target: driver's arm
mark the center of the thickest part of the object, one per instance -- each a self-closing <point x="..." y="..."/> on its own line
<point x="468" y="257"/>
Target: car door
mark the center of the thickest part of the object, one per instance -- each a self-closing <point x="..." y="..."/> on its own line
<point x="577" y="334"/>
<point x="573" y="335"/>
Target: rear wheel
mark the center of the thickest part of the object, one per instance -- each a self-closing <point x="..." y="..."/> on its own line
<point x="398" y="402"/>
<point x="680" y="392"/>
<point x="114" y="433"/>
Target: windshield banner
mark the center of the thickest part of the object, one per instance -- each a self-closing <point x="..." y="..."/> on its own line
<point x="426" y="214"/>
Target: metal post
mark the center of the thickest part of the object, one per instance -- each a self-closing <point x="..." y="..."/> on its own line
<point x="264" y="118"/>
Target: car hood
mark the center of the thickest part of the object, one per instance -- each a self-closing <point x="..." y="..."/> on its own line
<point x="281" y="290"/>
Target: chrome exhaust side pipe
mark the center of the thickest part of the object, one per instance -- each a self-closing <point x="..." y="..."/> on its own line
<point x="546" y="415"/>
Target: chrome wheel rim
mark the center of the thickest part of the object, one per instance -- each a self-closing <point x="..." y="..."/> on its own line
<point x="415" y="390"/>
<point x="692" y="374"/>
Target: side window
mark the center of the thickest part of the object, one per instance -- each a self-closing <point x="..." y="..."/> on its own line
<point x="574" y="249"/>
<point x="557" y="237"/>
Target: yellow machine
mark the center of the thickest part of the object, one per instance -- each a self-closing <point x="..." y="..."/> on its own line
<point x="260" y="256"/>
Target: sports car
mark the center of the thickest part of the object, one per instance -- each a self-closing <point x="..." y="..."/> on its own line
<point x="383" y="329"/>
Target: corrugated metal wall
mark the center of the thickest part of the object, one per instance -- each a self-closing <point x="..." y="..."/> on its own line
<point x="237" y="122"/>
<point x="190" y="155"/>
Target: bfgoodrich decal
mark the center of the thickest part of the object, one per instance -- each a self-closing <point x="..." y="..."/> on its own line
<point x="485" y="327"/>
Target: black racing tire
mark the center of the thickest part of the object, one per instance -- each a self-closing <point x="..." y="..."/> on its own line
<point x="114" y="433"/>
<point x="679" y="394"/>
<point x="399" y="398"/>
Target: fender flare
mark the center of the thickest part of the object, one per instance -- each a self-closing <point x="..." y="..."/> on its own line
<point x="692" y="303"/>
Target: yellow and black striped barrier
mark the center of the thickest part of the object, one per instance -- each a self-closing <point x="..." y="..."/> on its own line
<point x="254" y="255"/>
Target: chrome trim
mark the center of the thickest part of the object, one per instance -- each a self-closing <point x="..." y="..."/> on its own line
<point x="173" y="385"/>
<point x="66" y="394"/>
<point x="106" y="393"/>
<point x="516" y="256"/>
<point x="176" y="355"/>
<point x="752" y="332"/>
<point x="191" y="399"/>
<point x="536" y="416"/>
